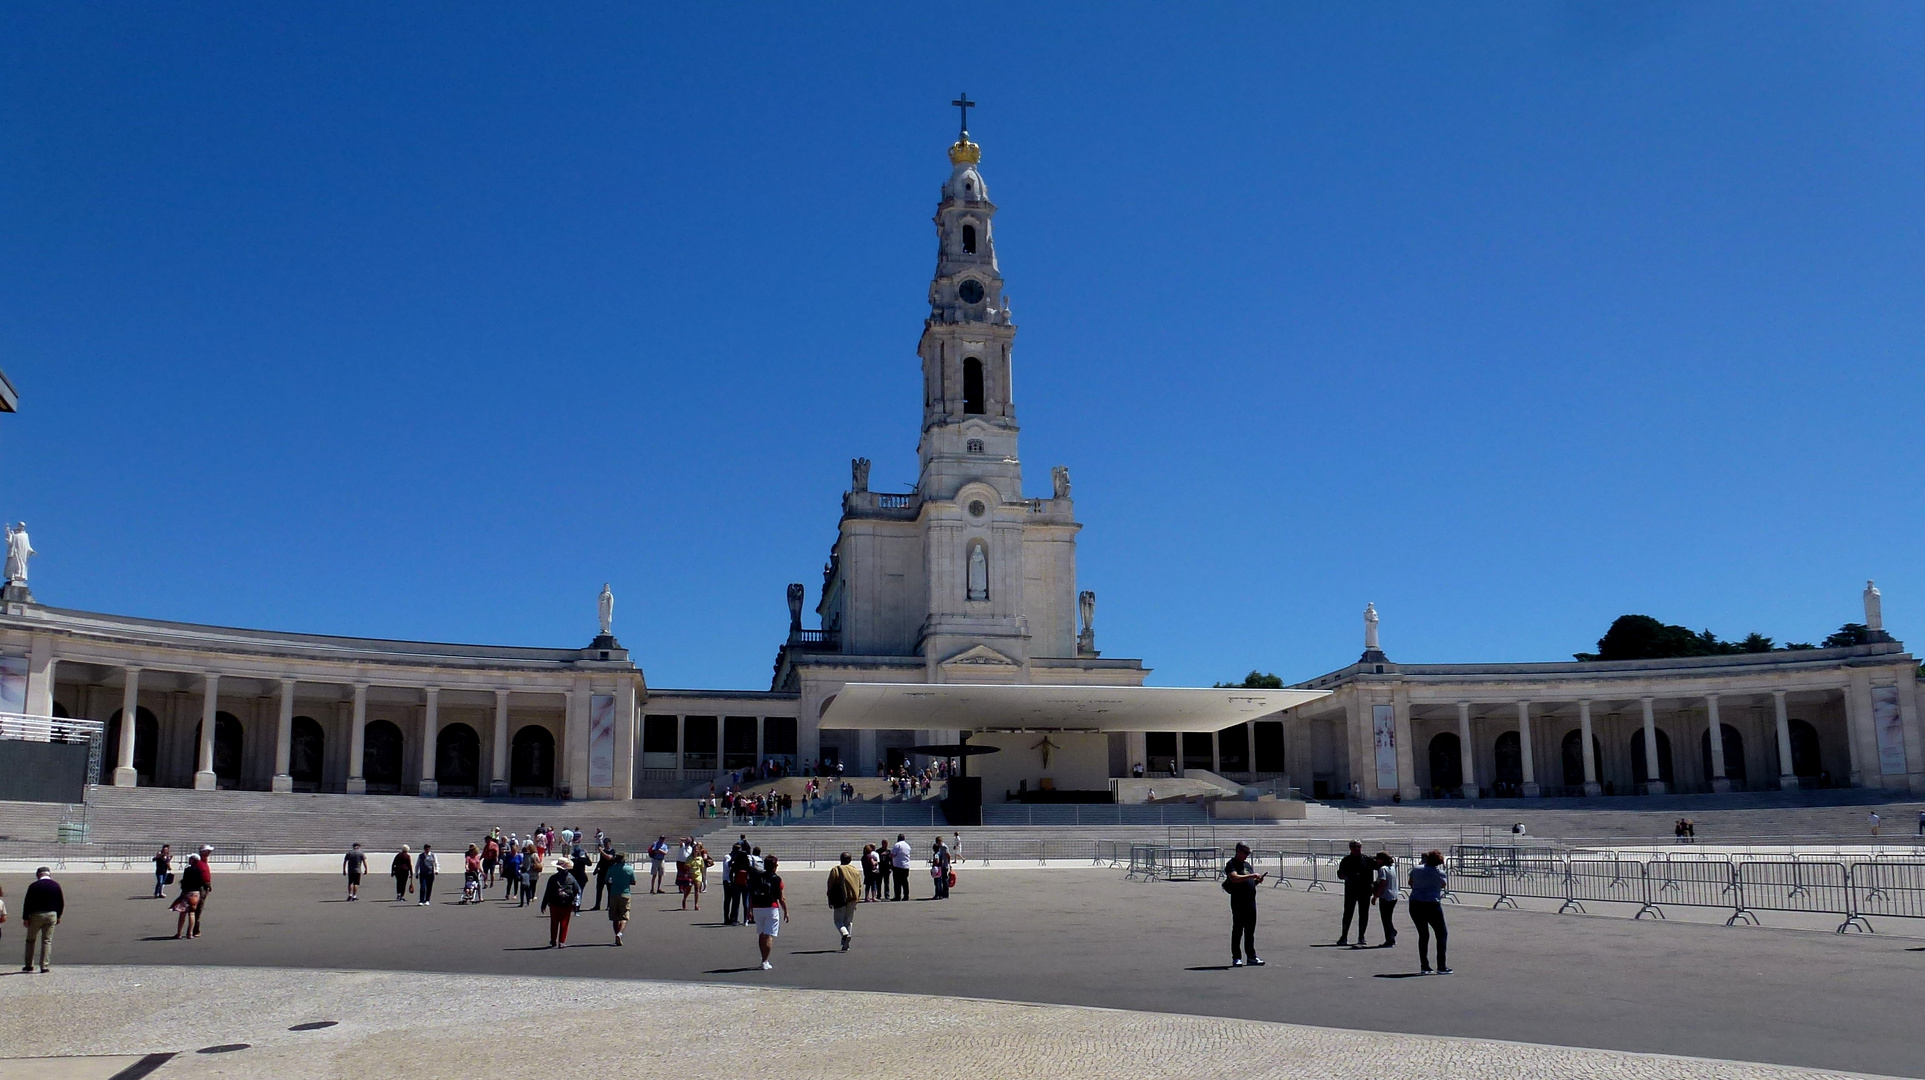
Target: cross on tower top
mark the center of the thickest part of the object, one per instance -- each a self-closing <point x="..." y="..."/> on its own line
<point x="962" y="102"/>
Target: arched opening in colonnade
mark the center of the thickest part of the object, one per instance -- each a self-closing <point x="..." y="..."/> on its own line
<point x="1806" y="760"/>
<point x="457" y="760"/>
<point x="1507" y="773"/>
<point x="381" y="748"/>
<point x="306" y="741"/>
<point x="229" y="741"/>
<point x="1573" y="753"/>
<point x="1734" y="753"/>
<point x="1639" y="773"/>
<point x="531" y="762"/>
<point x="1446" y="763"/>
<point x="146" y="745"/>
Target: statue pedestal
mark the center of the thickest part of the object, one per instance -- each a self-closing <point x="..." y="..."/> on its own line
<point x="1593" y="789"/>
<point x="428" y="789"/>
<point x="204" y="781"/>
<point x="1532" y="791"/>
<point x="16" y="592"/>
<point x="1470" y="791"/>
<point x="125" y="778"/>
<point x="1788" y="783"/>
<point x="1721" y="784"/>
<point x="1654" y="787"/>
<point x="498" y="788"/>
<point x="357" y="785"/>
<point x="283" y="783"/>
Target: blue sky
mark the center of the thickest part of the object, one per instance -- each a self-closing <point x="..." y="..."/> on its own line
<point x="424" y="321"/>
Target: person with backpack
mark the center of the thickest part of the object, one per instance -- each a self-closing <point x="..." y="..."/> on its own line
<point x="770" y="907"/>
<point x="657" y="854"/>
<point x="563" y="896"/>
<point x="735" y="882"/>
<point x="845" y="892"/>
<point x="1240" y="880"/>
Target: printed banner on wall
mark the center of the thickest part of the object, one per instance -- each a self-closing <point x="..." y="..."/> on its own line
<point x="1383" y="722"/>
<point x="13" y="684"/>
<point x="601" y="741"/>
<point x="1890" y="727"/>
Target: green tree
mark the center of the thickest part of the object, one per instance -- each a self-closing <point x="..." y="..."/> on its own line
<point x="1253" y="681"/>
<point x="1755" y="642"/>
<point x="1850" y="634"/>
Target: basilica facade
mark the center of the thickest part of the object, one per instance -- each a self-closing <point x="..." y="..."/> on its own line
<point x="966" y="579"/>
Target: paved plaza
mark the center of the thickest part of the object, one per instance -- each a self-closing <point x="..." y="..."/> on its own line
<point x="934" y="983"/>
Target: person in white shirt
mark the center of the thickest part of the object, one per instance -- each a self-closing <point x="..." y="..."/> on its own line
<point x="1386" y="892"/>
<point x="1873" y="818"/>
<point x="899" y="856"/>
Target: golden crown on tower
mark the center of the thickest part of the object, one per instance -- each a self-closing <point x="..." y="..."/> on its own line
<point x="965" y="152"/>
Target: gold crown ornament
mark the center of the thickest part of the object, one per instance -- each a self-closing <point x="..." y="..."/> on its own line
<point x="965" y="152"/>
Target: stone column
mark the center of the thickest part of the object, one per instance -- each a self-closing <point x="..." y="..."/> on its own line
<point x="430" y="730"/>
<point x="1715" y="738"/>
<point x="204" y="755"/>
<point x="1407" y="788"/>
<point x="681" y="747"/>
<point x="1531" y="789"/>
<point x="40" y="675"/>
<point x="627" y="752"/>
<point x="1654" y="782"/>
<point x="498" y="775"/>
<point x="759" y="745"/>
<point x="1466" y="751"/>
<point x="1249" y="751"/>
<point x="124" y="775"/>
<point x="358" y="741"/>
<point x="1591" y="786"/>
<point x="1861" y="738"/>
<point x="284" y="739"/>
<point x="1216" y="753"/>
<point x="571" y="763"/>
<point x="1787" y="776"/>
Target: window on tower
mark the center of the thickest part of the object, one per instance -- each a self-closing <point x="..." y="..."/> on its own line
<point x="975" y="446"/>
<point x="969" y="239"/>
<point x="972" y="385"/>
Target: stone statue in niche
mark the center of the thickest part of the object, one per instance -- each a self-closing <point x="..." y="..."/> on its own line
<point x="18" y="552"/>
<point x="978" y="573"/>
<point x="859" y="474"/>
<point x="605" y="608"/>
<point x="1059" y="476"/>
<point x="795" y="606"/>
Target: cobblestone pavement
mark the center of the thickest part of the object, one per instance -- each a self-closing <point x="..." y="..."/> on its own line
<point x="426" y="1026"/>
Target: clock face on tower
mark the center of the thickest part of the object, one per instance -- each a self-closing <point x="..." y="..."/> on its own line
<point x="971" y="291"/>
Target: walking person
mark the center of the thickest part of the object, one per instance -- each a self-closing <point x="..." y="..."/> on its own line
<point x="871" y="873"/>
<point x="510" y="872"/>
<point x="41" y="910"/>
<point x="899" y="856"/>
<point x="1873" y="819"/>
<point x="939" y="869"/>
<point x="563" y="896"/>
<point x="770" y="907"/>
<point x="1240" y="880"/>
<point x="490" y="856"/>
<point x="698" y="869"/>
<point x="1427" y="884"/>
<point x="164" y="864"/>
<point x="620" y="881"/>
<point x="530" y="874"/>
<point x="193" y="884"/>
<point x="1386" y="893"/>
<point x="403" y="870"/>
<point x="1921" y="823"/>
<point x="471" y="875"/>
<point x="657" y="854"/>
<point x="425" y="868"/>
<point x="353" y="864"/>
<point x="1359" y="877"/>
<point x="206" y="853"/>
<point x="845" y="892"/>
<point x="735" y="883"/>
<point x="604" y="862"/>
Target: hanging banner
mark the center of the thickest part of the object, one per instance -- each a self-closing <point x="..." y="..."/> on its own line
<point x="1383" y="723"/>
<point x="601" y="741"/>
<point x="1890" y="727"/>
<point x="13" y="684"/>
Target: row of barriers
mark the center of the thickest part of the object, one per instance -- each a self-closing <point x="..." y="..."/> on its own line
<point x="118" y="855"/>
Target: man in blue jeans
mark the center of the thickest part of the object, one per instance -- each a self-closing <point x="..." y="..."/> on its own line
<point x="1359" y="877"/>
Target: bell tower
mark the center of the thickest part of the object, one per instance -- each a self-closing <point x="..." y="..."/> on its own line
<point x="968" y="415"/>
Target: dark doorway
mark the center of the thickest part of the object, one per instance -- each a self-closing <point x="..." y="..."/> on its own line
<point x="1734" y="753"/>
<point x="1639" y="774"/>
<point x="738" y="742"/>
<point x="531" y="759"/>
<point x="305" y="747"/>
<point x="1446" y="763"/>
<point x="1509" y="771"/>
<point x="1196" y="750"/>
<point x="381" y="757"/>
<point x="1233" y="750"/>
<point x="227" y="748"/>
<point x="1805" y="757"/>
<point x="457" y="760"/>
<point x="972" y="386"/>
<point x="1269" y="749"/>
<point x="1574" y="757"/>
<point x="699" y="744"/>
<point x="146" y="744"/>
<point x="1160" y="748"/>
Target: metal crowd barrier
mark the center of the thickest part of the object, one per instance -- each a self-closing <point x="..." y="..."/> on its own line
<point x="119" y="854"/>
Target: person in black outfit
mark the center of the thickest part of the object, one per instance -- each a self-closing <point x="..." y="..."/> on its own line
<point x="1359" y="876"/>
<point x="735" y="872"/>
<point x="1240" y="880"/>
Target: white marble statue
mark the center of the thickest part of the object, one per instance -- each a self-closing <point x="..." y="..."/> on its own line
<point x="1059" y="477"/>
<point x="1370" y="626"/>
<point x="1874" y="604"/>
<point x="1086" y="605"/>
<point x="18" y="552"/>
<point x="605" y="605"/>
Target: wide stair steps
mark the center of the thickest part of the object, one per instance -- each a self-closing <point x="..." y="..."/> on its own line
<point x="314" y="823"/>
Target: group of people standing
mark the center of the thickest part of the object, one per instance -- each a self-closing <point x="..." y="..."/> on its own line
<point x="1367" y="881"/>
<point x="196" y="880"/>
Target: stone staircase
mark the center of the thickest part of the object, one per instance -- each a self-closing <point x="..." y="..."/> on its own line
<point x="1826" y="814"/>
<point x="310" y="823"/>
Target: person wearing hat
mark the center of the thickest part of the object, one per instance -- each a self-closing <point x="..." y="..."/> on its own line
<point x="1240" y="880"/>
<point x="559" y="901"/>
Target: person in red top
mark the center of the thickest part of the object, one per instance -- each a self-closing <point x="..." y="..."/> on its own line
<point x="490" y="855"/>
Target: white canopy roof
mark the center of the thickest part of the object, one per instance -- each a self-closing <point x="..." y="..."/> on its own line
<point x="954" y="707"/>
